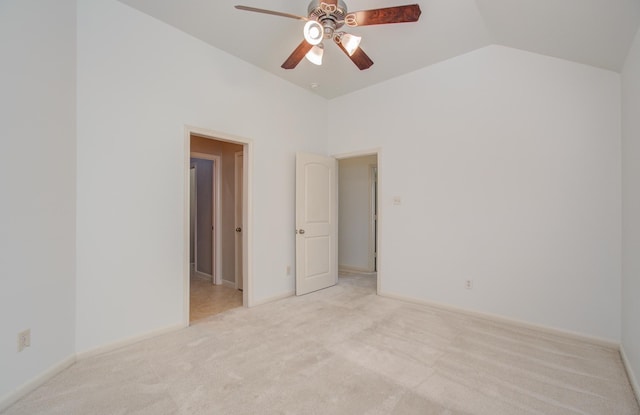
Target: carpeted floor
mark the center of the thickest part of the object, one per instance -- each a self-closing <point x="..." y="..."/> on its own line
<point x="343" y="350"/>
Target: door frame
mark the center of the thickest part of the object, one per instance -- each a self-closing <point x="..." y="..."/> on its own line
<point x="247" y="214"/>
<point x="216" y="219"/>
<point x="378" y="153"/>
<point x="238" y="221"/>
<point x="373" y="213"/>
<point x="193" y="195"/>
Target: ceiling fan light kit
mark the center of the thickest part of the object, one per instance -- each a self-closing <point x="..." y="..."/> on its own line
<point x="325" y="17"/>
<point x="350" y="42"/>
<point x="313" y="32"/>
<point x="315" y="54"/>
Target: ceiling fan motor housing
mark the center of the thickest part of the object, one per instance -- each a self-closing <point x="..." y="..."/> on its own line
<point x="330" y="16"/>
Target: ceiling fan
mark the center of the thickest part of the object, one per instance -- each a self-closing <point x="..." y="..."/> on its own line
<point x="323" y="20"/>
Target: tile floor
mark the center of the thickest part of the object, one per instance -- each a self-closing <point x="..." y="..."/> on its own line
<point x="207" y="299"/>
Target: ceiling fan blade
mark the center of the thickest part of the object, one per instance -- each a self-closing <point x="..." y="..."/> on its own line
<point x="398" y="14"/>
<point x="271" y="12"/>
<point x="361" y="59"/>
<point x="296" y="56"/>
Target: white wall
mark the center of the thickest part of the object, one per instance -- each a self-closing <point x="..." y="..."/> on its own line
<point x="631" y="209"/>
<point x="508" y="166"/>
<point x="37" y="187"/>
<point x="355" y="213"/>
<point x="139" y="82"/>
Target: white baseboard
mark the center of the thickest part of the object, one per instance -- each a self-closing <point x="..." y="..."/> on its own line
<point x="348" y="268"/>
<point x="128" y="341"/>
<point x="597" y="341"/>
<point x="630" y="373"/>
<point x="272" y="299"/>
<point x="203" y="275"/>
<point x="230" y="284"/>
<point x="13" y="397"/>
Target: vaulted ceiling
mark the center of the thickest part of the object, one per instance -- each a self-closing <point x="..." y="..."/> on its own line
<point x="592" y="32"/>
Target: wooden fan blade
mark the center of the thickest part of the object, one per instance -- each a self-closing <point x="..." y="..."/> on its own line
<point x="361" y="59"/>
<point x="271" y="12"/>
<point x="398" y="14"/>
<point x="294" y="59"/>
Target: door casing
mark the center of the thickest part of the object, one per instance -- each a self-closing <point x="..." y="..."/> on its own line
<point x="373" y="215"/>
<point x="238" y="166"/>
<point x="247" y="235"/>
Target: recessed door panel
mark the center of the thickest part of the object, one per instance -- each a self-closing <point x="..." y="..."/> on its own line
<point x="316" y="223"/>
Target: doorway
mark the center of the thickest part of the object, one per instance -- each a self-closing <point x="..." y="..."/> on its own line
<point x="204" y="215"/>
<point x="358" y="213"/>
<point x="211" y="274"/>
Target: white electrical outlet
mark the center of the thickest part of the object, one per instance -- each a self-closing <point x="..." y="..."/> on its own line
<point x="468" y="284"/>
<point x="24" y="339"/>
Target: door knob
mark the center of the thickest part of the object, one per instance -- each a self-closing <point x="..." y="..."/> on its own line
<point x="301" y="231"/>
<point x="238" y="229"/>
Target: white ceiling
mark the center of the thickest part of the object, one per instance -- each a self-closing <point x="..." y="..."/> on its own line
<point x="593" y="32"/>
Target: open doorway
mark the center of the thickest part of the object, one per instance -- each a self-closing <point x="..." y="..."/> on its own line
<point x="358" y="213"/>
<point x="205" y="216"/>
<point x="213" y="232"/>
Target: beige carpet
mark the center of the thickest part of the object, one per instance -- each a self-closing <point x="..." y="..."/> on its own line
<point x="343" y="350"/>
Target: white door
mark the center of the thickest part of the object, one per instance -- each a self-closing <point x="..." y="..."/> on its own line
<point x="316" y="223"/>
<point x="238" y="218"/>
